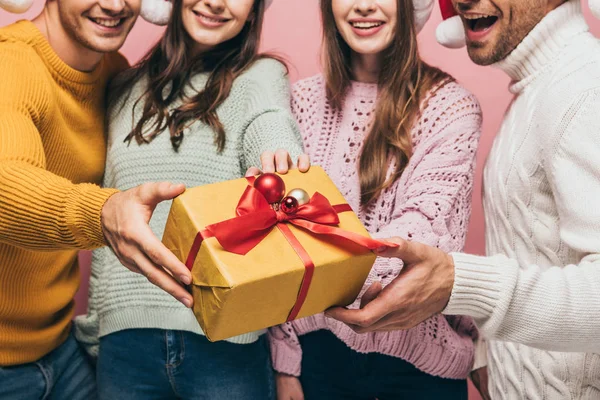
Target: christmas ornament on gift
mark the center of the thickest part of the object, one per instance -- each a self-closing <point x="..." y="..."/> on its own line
<point x="268" y="250"/>
<point x="272" y="187"/>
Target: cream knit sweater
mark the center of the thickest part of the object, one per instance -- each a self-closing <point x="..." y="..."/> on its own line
<point x="542" y="204"/>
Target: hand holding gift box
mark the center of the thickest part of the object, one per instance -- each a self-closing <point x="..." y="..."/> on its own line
<point x="260" y="258"/>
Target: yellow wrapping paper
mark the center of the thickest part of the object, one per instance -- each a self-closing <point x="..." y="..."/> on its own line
<point x="235" y="294"/>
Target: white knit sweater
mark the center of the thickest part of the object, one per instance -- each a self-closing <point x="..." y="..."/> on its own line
<point x="542" y="205"/>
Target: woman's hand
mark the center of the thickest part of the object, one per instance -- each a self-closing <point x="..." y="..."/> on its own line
<point x="280" y="162"/>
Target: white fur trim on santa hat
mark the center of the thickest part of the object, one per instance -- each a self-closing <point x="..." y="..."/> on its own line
<point x="158" y="12"/>
<point x="595" y="7"/>
<point x="451" y="33"/>
<point x="16" y="6"/>
<point x="423" y="9"/>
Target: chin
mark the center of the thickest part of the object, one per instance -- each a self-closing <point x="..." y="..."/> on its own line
<point x="367" y="51"/>
<point x="206" y="43"/>
<point x="479" y="56"/>
<point x="106" y="46"/>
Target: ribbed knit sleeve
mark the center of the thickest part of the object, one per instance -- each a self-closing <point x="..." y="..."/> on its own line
<point x="269" y="122"/>
<point x="38" y="209"/>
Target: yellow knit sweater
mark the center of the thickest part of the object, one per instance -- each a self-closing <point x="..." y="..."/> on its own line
<point x="52" y="151"/>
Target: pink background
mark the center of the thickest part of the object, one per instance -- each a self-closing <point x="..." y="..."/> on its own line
<point x="292" y="29"/>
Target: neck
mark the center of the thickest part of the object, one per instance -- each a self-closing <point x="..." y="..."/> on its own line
<point x="366" y="67"/>
<point x="71" y="51"/>
<point x="542" y="45"/>
<point x="553" y="4"/>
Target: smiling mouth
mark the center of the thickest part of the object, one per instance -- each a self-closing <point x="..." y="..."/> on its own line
<point x="480" y="23"/>
<point x="366" y="25"/>
<point x="108" y="23"/>
<point x="214" y="20"/>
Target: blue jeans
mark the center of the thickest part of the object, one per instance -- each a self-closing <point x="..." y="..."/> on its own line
<point x="164" y="364"/>
<point x="65" y="373"/>
<point x="333" y="371"/>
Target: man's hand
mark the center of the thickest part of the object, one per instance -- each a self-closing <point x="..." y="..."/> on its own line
<point x="125" y="218"/>
<point x="288" y="387"/>
<point x="479" y="377"/>
<point x="422" y="290"/>
<point x="280" y="161"/>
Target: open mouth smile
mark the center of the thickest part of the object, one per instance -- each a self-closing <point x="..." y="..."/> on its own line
<point x="479" y="25"/>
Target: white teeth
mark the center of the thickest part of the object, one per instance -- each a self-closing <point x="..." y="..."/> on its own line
<point x="210" y="19"/>
<point x="366" y="25"/>
<point x="109" y="23"/>
<point x="477" y="16"/>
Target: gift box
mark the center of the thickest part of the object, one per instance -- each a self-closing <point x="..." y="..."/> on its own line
<point x="258" y="260"/>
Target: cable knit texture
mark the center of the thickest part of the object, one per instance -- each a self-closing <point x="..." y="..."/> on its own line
<point x="430" y="203"/>
<point x="52" y="152"/>
<point x="256" y="117"/>
<point x="541" y="196"/>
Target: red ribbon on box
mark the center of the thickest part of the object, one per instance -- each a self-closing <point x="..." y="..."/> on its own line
<point x="255" y="220"/>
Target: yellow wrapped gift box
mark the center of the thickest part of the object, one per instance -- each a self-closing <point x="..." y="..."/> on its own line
<point x="240" y="293"/>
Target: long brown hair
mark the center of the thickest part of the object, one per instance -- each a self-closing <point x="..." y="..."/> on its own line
<point x="404" y="80"/>
<point x="169" y="68"/>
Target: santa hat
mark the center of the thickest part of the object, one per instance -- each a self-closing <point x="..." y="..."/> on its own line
<point x="154" y="11"/>
<point x="451" y="32"/>
<point x="423" y="9"/>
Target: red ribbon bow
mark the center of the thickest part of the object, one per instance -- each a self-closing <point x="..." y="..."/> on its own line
<point x="256" y="218"/>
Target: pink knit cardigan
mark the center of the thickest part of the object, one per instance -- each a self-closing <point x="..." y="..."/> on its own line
<point x="430" y="203"/>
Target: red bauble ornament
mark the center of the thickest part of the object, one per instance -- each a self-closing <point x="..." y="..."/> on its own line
<point x="289" y="205"/>
<point x="271" y="186"/>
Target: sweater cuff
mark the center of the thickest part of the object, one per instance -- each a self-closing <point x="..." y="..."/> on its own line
<point x="480" y="356"/>
<point x="84" y="209"/>
<point x="285" y="363"/>
<point x="286" y="357"/>
<point x="478" y="285"/>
